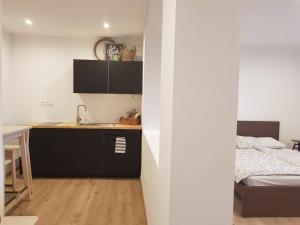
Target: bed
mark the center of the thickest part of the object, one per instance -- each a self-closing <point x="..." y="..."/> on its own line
<point x="265" y="196"/>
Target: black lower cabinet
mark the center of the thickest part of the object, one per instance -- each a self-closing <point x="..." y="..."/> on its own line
<point x="127" y="164"/>
<point x="88" y="160"/>
<point x="38" y="157"/>
<point x="66" y="153"/>
<point x="54" y="158"/>
<point x="84" y="153"/>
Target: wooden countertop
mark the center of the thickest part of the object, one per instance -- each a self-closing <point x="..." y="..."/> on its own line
<point x="73" y="125"/>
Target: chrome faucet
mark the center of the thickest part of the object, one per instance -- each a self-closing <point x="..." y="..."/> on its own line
<point x="78" y="118"/>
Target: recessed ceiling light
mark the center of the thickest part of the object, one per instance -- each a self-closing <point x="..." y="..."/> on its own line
<point x="106" y="25"/>
<point x="28" y="22"/>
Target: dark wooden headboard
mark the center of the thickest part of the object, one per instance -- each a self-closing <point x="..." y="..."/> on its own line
<point x="259" y="128"/>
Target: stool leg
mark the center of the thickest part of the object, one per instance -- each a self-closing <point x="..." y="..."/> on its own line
<point x="14" y="173"/>
<point x="29" y="161"/>
<point x="25" y="168"/>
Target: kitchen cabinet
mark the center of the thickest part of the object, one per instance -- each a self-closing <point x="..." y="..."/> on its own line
<point x="126" y="164"/>
<point x="90" y="76"/>
<point x="66" y="153"/>
<point x="61" y="152"/>
<point x="53" y="164"/>
<point x="125" y="77"/>
<point x="85" y="158"/>
<point x="115" y="77"/>
<point x="38" y="157"/>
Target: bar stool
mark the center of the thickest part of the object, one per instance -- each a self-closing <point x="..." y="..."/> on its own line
<point x="12" y="153"/>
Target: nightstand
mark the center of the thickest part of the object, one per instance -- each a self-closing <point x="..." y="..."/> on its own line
<point x="297" y="144"/>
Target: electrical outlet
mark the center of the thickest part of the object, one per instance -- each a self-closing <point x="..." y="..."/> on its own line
<point x="47" y="103"/>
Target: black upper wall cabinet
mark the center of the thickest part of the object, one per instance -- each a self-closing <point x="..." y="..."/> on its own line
<point x="90" y="76"/>
<point x="125" y="77"/>
<point x="94" y="76"/>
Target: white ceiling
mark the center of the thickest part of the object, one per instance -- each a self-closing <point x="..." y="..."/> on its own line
<point x="264" y="22"/>
<point x="75" y="17"/>
<point x="271" y="22"/>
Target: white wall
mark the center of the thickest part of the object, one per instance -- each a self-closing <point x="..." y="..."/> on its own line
<point x="205" y="98"/>
<point x="152" y="67"/>
<point x="155" y="168"/>
<point x="1" y="115"/>
<point x="42" y="69"/>
<point x="269" y="87"/>
<point x="198" y="103"/>
<point x="270" y="23"/>
<point x="7" y="88"/>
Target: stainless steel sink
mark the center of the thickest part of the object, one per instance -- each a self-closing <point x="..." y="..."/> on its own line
<point x="98" y="124"/>
<point x="50" y="123"/>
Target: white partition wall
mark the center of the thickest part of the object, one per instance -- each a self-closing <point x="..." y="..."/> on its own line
<point x="155" y="194"/>
<point x="1" y="145"/>
<point x="205" y="93"/>
<point x="193" y="182"/>
<point x="152" y="66"/>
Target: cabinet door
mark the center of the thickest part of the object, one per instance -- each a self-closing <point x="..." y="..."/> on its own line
<point x="44" y="145"/>
<point x="66" y="153"/>
<point x="56" y="164"/>
<point x="47" y="158"/>
<point x="90" y="76"/>
<point x="84" y="158"/>
<point x="38" y="157"/>
<point x="126" y="164"/>
<point x="125" y="77"/>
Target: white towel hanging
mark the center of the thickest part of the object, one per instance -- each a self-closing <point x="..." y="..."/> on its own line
<point x="120" y="145"/>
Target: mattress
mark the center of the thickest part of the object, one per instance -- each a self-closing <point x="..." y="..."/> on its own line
<point x="283" y="180"/>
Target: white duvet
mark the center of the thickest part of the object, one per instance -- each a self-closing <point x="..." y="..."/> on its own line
<point x="265" y="162"/>
<point x="287" y="155"/>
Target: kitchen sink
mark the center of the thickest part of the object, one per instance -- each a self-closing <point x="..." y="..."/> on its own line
<point x="50" y="123"/>
<point x="98" y="124"/>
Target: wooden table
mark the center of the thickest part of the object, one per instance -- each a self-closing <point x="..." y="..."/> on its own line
<point x="22" y="134"/>
<point x="19" y="220"/>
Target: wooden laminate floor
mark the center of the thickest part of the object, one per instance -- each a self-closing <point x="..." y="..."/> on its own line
<point x="101" y="202"/>
<point x="85" y="202"/>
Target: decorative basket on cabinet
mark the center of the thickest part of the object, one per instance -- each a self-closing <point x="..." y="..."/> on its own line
<point x="128" y="55"/>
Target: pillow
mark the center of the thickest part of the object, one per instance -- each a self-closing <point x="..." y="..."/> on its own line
<point x="247" y="142"/>
<point x="268" y="142"/>
<point x="241" y="142"/>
